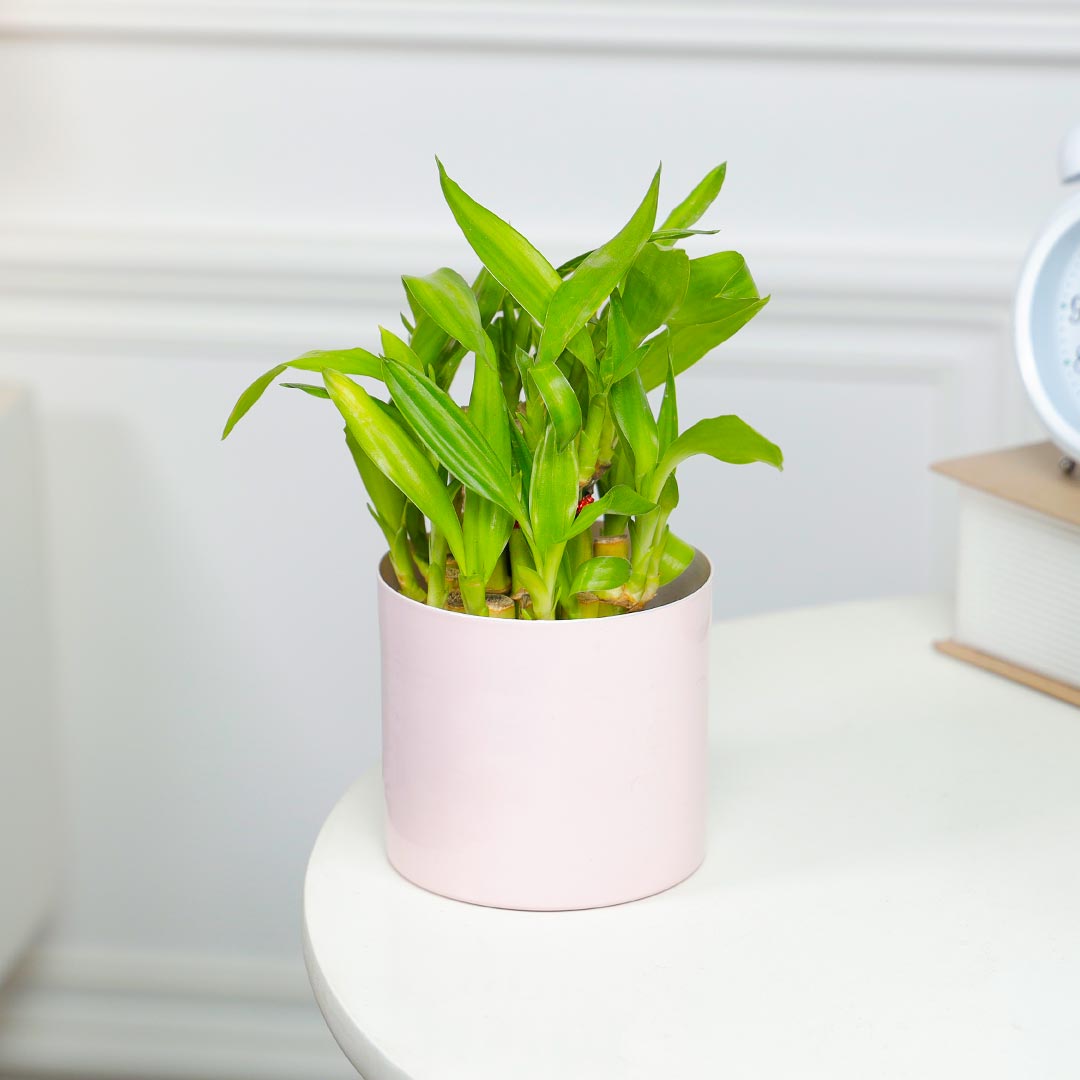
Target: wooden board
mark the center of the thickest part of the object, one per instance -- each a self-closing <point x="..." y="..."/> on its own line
<point x="1027" y="475"/>
<point x="1043" y="683"/>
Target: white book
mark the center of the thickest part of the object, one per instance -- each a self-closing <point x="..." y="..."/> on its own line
<point x="1018" y="567"/>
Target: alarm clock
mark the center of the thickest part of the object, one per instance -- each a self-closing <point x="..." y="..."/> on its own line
<point x="1047" y="317"/>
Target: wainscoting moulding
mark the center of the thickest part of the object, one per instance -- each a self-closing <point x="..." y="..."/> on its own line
<point x="989" y="32"/>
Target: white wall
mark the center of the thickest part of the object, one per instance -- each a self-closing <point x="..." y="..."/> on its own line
<point x="190" y="193"/>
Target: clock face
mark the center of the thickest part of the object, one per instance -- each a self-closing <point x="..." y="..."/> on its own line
<point x="1069" y="324"/>
<point x="1048" y="327"/>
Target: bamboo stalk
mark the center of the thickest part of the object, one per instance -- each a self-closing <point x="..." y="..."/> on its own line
<point x="401" y="563"/>
<point x="473" y="593"/>
<point x="500" y="581"/>
<point x="416" y="528"/>
<point x="451" y="575"/>
<point x="579" y="549"/>
<point x="618" y="546"/>
<point x="519" y="556"/>
<point x="436" y="585"/>
<point x="500" y="606"/>
<point x="588" y="605"/>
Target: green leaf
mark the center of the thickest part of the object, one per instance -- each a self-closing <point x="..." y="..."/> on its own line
<point x="669" y="496"/>
<point x="655" y="237"/>
<point x="435" y="347"/>
<point x="632" y="361"/>
<point x="553" y="490"/>
<point x="314" y="391"/>
<point x="677" y="556"/>
<point x="395" y="452"/>
<point x="446" y="297"/>
<point x="636" y="422"/>
<point x="390" y="534"/>
<point x="619" y="347"/>
<point x="486" y="527"/>
<point x="486" y="523"/>
<point x="563" y="407"/>
<point x="529" y="278"/>
<point x="698" y="201"/>
<point x="451" y="436"/>
<point x="690" y="343"/>
<point x="662" y="235"/>
<point x="726" y="438"/>
<point x="522" y="270"/>
<point x="600" y="573"/>
<point x="722" y="275"/>
<point x="489" y="294"/>
<point x="563" y="269"/>
<point x="578" y="297"/>
<point x="532" y="582"/>
<point x="655" y="287"/>
<point x="348" y="361"/>
<point x="416" y="529"/>
<point x="396" y="349"/>
<point x="667" y="420"/>
<point x="620" y="499"/>
<point x="523" y="458"/>
<point x="387" y="497"/>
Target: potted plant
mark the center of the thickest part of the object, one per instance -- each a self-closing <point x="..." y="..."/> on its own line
<point x="559" y="762"/>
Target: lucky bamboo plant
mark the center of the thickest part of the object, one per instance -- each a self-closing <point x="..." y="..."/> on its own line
<point x="548" y="495"/>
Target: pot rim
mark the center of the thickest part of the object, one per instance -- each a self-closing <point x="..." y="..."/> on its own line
<point x="700" y="568"/>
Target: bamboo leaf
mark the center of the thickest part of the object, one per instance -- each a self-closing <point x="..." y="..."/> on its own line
<point x="578" y="297"/>
<point x="394" y="451"/>
<point x="553" y="490"/>
<point x="387" y="497"/>
<point x="531" y="581"/>
<point x="726" y="438"/>
<point x="676" y="557"/>
<point x="347" y="361"/>
<point x="523" y="458"/>
<point x="390" y="533"/>
<point x="723" y="275"/>
<point x="451" y="436"/>
<point x="435" y="347"/>
<point x="397" y="349"/>
<point x="637" y="425"/>
<point x="314" y="391"/>
<point x="698" y="201"/>
<point x="655" y="287"/>
<point x="632" y="361"/>
<point x="486" y="523"/>
<point x="690" y="343"/>
<point x="510" y="258"/>
<point x="522" y="270"/>
<point x="620" y="499"/>
<point x="486" y="528"/>
<point x="661" y="235"/>
<point x="669" y="496"/>
<point x="619" y="347"/>
<point x="446" y="297"/>
<point x="563" y="407"/>
<point x="600" y="573"/>
<point x="667" y="420"/>
<point x="657" y="236"/>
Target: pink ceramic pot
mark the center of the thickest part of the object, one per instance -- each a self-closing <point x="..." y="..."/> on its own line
<point x="579" y="789"/>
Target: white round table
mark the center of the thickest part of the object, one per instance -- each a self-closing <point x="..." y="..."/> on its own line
<point x="892" y="890"/>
